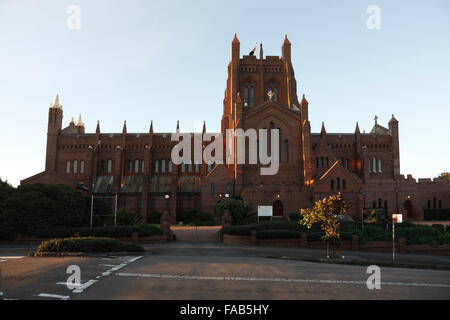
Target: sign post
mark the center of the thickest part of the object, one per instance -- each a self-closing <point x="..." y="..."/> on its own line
<point x="396" y="218"/>
<point x="264" y="211"/>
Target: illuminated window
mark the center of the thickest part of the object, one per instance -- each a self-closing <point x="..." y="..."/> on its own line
<point x="75" y="166"/>
<point x="136" y="166"/>
<point x="82" y="166"/>
<point x="163" y="165"/>
<point x="109" y="166"/>
<point x="68" y="167"/>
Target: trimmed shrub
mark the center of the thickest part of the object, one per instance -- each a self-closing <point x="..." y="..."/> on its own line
<point x="294" y="216"/>
<point x="145" y="230"/>
<point x="278" y="234"/>
<point x="238" y="230"/>
<point x="127" y="218"/>
<point x="88" y="244"/>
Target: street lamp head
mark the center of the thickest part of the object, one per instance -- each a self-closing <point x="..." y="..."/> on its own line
<point x="167" y="196"/>
<point x="227" y="195"/>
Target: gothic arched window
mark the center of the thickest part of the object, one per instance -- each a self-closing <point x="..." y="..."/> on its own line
<point x="274" y="91"/>
<point x="136" y="166"/>
<point x="249" y="95"/>
<point x="156" y="166"/>
<point x="286" y="151"/>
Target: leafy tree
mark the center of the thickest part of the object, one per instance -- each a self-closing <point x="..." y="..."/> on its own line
<point x="240" y="211"/>
<point x="31" y="208"/>
<point x="325" y="212"/>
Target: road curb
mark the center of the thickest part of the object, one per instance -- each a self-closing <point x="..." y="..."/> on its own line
<point x="364" y="263"/>
<point x="86" y="254"/>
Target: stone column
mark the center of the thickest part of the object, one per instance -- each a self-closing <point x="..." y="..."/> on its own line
<point x="165" y="225"/>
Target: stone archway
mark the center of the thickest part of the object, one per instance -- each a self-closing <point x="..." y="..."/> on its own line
<point x="277" y="208"/>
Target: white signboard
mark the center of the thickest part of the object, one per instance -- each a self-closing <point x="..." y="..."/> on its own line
<point x="264" y="211"/>
<point x="397" y="218"/>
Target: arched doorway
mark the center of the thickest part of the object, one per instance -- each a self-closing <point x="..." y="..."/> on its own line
<point x="409" y="209"/>
<point x="277" y="208"/>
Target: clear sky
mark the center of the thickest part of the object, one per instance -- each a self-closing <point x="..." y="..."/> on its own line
<point x="166" y="61"/>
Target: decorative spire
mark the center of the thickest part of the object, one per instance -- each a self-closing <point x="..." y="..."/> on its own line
<point x="260" y="51"/>
<point x="79" y="122"/>
<point x="304" y="102"/>
<point x="286" y="41"/>
<point x="72" y="123"/>
<point x="393" y="120"/>
<point x="235" y="39"/>
<point x="204" y="127"/>
<point x="151" y="127"/>
<point x="97" y="130"/>
<point x="357" y="128"/>
<point x="124" y="130"/>
<point x="178" y="125"/>
<point x="376" y="119"/>
<point x="323" y="131"/>
<point x="56" y="103"/>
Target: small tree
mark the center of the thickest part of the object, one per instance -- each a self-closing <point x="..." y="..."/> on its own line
<point x="325" y="212"/>
<point x="240" y="211"/>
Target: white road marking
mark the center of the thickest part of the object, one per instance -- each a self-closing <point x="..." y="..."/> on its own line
<point x="84" y="286"/>
<point x="12" y="257"/>
<point x="77" y="285"/>
<point x="107" y="265"/>
<point x="134" y="259"/>
<point x="2" y="260"/>
<point x="56" y="296"/>
<point x="187" y="277"/>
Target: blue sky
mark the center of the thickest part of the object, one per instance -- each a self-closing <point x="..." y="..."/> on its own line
<point x="166" y="61"/>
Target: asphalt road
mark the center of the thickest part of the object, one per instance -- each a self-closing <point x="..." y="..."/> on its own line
<point x="210" y="271"/>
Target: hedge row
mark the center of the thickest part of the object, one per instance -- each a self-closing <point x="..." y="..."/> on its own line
<point x="436" y="214"/>
<point x="143" y="230"/>
<point x="414" y="234"/>
<point x="88" y="244"/>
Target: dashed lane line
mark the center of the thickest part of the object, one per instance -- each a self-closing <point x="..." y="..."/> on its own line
<point x="323" y="281"/>
<point x="55" y="296"/>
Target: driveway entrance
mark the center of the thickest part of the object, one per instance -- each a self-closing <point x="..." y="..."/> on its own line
<point x="197" y="234"/>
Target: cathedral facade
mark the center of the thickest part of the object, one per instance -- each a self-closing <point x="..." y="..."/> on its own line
<point x="261" y="93"/>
